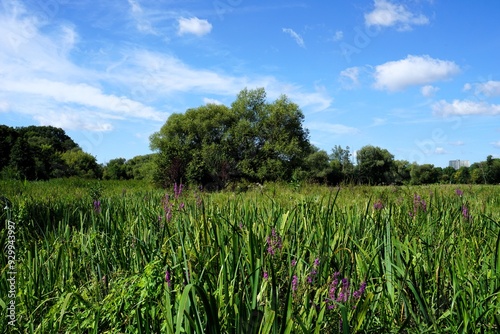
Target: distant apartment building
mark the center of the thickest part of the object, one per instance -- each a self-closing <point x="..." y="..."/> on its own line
<point x="459" y="163"/>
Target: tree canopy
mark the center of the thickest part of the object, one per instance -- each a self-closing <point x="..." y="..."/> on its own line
<point x="41" y="153"/>
<point x="253" y="140"/>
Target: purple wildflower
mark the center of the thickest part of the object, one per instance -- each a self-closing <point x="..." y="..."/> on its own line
<point x="465" y="212"/>
<point x="344" y="291"/>
<point x="181" y="206"/>
<point x="265" y="275"/>
<point x="459" y="192"/>
<point x="97" y="206"/>
<point x="311" y="276"/>
<point x="378" y="205"/>
<point x="358" y="293"/>
<point x="295" y="282"/>
<point x="294" y="263"/>
<point x="419" y="205"/>
<point x="168" y="279"/>
<point x="177" y="190"/>
<point x="316" y="263"/>
<point x="332" y="290"/>
<point x="167" y="207"/>
<point x="274" y="242"/>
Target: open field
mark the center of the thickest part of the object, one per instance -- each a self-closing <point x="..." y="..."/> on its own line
<point x="123" y="257"/>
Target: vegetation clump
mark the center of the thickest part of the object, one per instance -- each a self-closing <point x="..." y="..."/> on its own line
<point x="124" y="257"/>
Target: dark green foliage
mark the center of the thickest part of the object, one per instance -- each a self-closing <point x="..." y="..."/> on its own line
<point x="8" y="137"/>
<point x="424" y="174"/>
<point x="22" y="159"/>
<point x="253" y="140"/>
<point x="115" y="170"/>
<point x="41" y="153"/>
<point x="375" y="165"/>
<point x="81" y="164"/>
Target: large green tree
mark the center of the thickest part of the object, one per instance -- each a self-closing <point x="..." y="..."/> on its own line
<point x="81" y="164"/>
<point x="375" y="165"/>
<point x="211" y="144"/>
<point x="194" y="146"/>
<point x="424" y="174"/>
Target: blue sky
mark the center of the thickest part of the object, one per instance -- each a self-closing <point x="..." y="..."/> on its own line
<point x="420" y="78"/>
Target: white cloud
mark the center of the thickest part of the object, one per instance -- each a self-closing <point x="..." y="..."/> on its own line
<point x="467" y="87"/>
<point x="387" y="14"/>
<point x="39" y="79"/>
<point x="74" y="120"/>
<point x="207" y="100"/>
<point x="429" y="91"/>
<point x="350" y="77"/>
<point x="490" y="88"/>
<point x="496" y="144"/>
<point x="457" y="143"/>
<point x="81" y="94"/>
<point x="315" y="101"/>
<point x="440" y="150"/>
<point x="295" y="36"/>
<point x="465" y="107"/>
<point x="336" y="129"/>
<point x="168" y="75"/>
<point x="194" y="26"/>
<point x="142" y="23"/>
<point x="413" y="70"/>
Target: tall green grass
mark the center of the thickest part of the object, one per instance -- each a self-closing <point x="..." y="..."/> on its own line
<point x="271" y="260"/>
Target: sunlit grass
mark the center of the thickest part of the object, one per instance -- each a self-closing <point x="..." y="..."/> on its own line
<point x="275" y="259"/>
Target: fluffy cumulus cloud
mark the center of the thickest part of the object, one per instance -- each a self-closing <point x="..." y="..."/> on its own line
<point x="298" y="39"/>
<point x="194" y="26"/>
<point x="387" y="14"/>
<point x="413" y="70"/>
<point x="465" y="107"/>
<point x="429" y="91"/>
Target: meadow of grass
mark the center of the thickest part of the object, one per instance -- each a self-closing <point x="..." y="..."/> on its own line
<point x="124" y="257"/>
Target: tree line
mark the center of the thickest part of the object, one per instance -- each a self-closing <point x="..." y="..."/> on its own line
<point x="257" y="141"/>
<point x="214" y="145"/>
<point x="47" y="152"/>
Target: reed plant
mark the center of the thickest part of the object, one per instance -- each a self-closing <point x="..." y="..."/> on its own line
<point x="122" y="257"/>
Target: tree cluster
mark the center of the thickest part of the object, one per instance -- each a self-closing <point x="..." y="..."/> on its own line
<point x="257" y="141"/>
<point x="253" y="140"/>
<point x="138" y="168"/>
<point x="41" y="153"/>
<point x="376" y="166"/>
